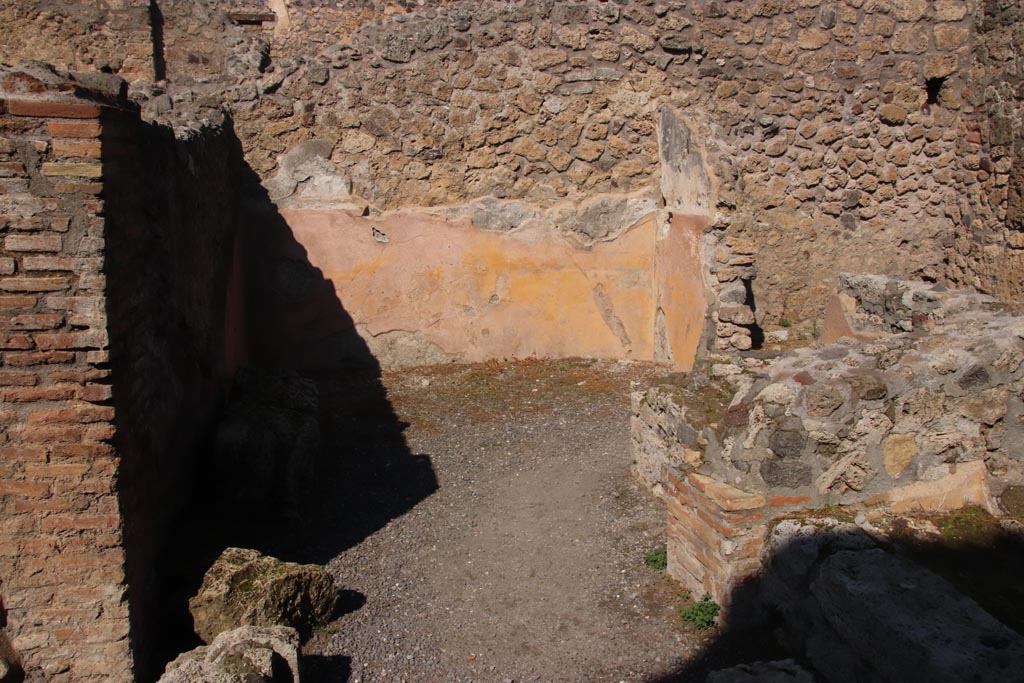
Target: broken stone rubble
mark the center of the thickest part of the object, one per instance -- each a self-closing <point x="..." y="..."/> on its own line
<point x="247" y="654"/>
<point x="245" y="588"/>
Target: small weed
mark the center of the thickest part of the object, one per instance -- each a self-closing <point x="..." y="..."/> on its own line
<point x="969" y="526"/>
<point x="814" y="329"/>
<point x="703" y="614"/>
<point x="785" y="322"/>
<point x="657" y="559"/>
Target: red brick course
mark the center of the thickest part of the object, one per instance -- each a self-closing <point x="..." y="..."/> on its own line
<point x="55" y="110"/>
<point x="61" y="559"/>
<point x="712" y="546"/>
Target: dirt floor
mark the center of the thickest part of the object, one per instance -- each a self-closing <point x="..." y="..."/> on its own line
<point x="511" y="547"/>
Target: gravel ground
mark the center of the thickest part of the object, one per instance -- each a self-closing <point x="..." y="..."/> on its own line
<point x="500" y="535"/>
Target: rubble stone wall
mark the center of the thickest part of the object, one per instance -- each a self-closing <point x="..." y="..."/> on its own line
<point x="118" y="334"/>
<point x="988" y="248"/>
<point x="812" y="120"/>
<point x="863" y="137"/>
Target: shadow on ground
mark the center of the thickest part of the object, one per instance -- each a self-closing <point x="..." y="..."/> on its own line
<point x="848" y="608"/>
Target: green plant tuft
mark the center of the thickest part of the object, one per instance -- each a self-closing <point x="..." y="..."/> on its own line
<point x="703" y="615"/>
<point x="785" y="322"/>
<point x="657" y="559"/>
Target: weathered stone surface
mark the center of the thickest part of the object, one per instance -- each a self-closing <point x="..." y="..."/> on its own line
<point x="245" y="588"/>
<point x="787" y="443"/>
<point x="898" y="451"/>
<point x="901" y="622"/>
<point x="867" y="386"/>
<point x="822" y="400"/>
<point x="790" y="474"/>
<point x="268" y="654"/>
<point x="967" y="485"/>
<point x="474" y="294"/>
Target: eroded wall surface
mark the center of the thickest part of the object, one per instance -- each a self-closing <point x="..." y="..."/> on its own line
<point x="447" y="290"/>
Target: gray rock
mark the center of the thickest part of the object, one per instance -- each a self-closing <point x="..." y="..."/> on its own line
<point x="781" y="671"/>
<point x="245" y="588"/>
<point x="868" y="386"/>
<point x="603" y="216"/>
<point x="787" y="443"/>
<point x="248" y="654"/>
<point x="790" y="474"/>
<point x="822" y="400"/>
<point x="396" y="48"/>
<point x="493" y="214"/>
<point x="904" y="623"/>
<point x="680" y="42"/>
<point x="974" y="378"/>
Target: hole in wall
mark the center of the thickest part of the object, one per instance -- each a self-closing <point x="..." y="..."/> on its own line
<point x="756" y="333"/>
<point x="933" y="87"/>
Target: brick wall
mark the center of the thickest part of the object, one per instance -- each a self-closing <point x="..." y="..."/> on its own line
<point x="61" y="532"/>
<point x="715" y="533"/>
<point x="120" y="329"/>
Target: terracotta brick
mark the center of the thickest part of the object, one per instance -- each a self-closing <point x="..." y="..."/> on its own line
<point x="11" y="168"/>
<point x="80" y="522"/>
<point x="73" y="188"/>
<point x="94" y="392"/>
<point x="97" y="357"/>
<point x="39" y="358"/>
<point x="782" y="501"/>
<point x="51" y="434"/>
<point x="77" y="148"/>
<point x="23" y="453"/>
<point x="56" y="470"/>
<point x="15" y="378"/>
<point x="77" y="376"/>
<point x="725" y="496"/>
<point x="84" y="412"/>
<point x="33" y="243"/>
<point x="74" y="129"/>
<point x="36" y="321"/>
<point x="33" y="284"/>
<point x="82" y="450"/>
<point x="60" y="222"/>
<point x="24" y="394"/>
<point x="35" y="506"/>
<point x="24" y="489"/>
<point x="55" y="110"/>
<point x="6" y="266"/>
<point x="74" y="169"/>
<point x="50" y="263"/>
<point x="19" y="342"/>
<point x="99" y="432"/>
<point x="71" y="340"/>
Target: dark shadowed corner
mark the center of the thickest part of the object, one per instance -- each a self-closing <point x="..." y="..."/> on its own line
<point x="211" y="298"/>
